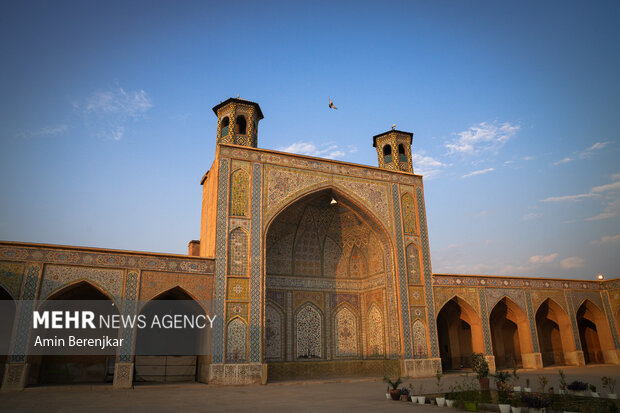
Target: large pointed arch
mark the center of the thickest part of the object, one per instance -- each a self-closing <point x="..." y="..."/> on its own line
<point x="595" y="335"/>
<point x="7" y="318"/>
<point x="345" y="264"/>
<point x="460" y="333"/>
<point x="76" y="368"/>
<point x="555" y="333"/>
<point x="510" y="333"/>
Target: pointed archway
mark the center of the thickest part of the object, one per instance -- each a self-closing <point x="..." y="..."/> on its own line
<point x="510" y="334"/>
<point x="554" y="333"/>
<point x="92" y="366"/>
<point x="7" y="317"/>
<point x="166" y="354"/>
<point x="594" y="333"/>
<point x="459" y="328"/>
<point x="329" y="273"/>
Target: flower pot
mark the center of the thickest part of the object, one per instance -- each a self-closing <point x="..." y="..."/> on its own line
<point x="471" y="406"/>
<point x="440" y="401"/>
<point x="484" y="383"/>
<point x="449" y="403"/>
<point x="387" y="396"/>
<point x="414" y="399"/>
<point x="578" y="392"/>
<point x="504" y="408"/>
<point x="527" y="389"/>
<point x="395" y="394"/>
<point x="421" y="399"/>
<point x="562" y="391"/>
<point x="403" y="397"/>
<point x="515" y="409"/>
<point x="516" y="388"/>
<point x="594" y="394"/>
<point x="612" y="396"/>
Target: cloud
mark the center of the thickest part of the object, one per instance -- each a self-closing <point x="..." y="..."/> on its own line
<point x="532" y="215"/>
<point x="481" y="138"/>
<point x="561" y="161"/>
<point x="571" y="263"/>
<point x="426" y="165"/>
<point x="108" y="113"/>
<point x="528" y="158"/>
<point x="584" y="154"/>
<point x="609" y="239"/>
<point x="47" y="131"/>
<point x="594" y="192"/>
<point x="543" y="259"/>
<point x="615" y="177"/>
<point x="132" y="104"/>
<point x="612" y="210"/>
<point x="480" y="172"/>
<point x="326" y="150"/>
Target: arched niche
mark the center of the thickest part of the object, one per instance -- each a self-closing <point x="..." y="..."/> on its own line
<point x="554" y="333"/>
<point x="459" y="329"/>
<point x="596" y="340"/>
<point x="510" y="334"/>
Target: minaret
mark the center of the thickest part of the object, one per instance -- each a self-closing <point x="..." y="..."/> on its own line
<point x="237" y="122"/>
<point x="394" y="150"/>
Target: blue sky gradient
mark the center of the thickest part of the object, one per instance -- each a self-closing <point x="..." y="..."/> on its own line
<point x="107" y="126"/>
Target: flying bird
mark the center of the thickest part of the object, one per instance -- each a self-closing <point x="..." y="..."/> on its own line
<point x="331" y="105"/>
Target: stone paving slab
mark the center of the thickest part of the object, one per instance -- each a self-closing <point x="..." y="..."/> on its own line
<point x="338" y="396"/>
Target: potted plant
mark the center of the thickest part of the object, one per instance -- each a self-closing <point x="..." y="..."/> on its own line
<point x="542" y="383"/>
<point x="504" y="400"/>
<point x="404" y="394"/>
<point x="562" y="381"/>
<point x="527" y="387"/>
<point x="501" y="381"/>
<point x="394" y="391"/>
<point x="609" y="384"/>
<point x="440" y="399"/>
<point x="450" y="397"/>
<point x="515" y="376"/>
<point x="480" y="366"/>
<point x="515" y="403"/>
<point x="387" y="392"/>
<point x="593" y="392"/>
<point x="535" y="402"/>
<point x="577" y="387"/>
<point x="421" y="399"/>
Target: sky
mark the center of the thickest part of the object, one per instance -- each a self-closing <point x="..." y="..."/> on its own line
<point x="106" y="125"/>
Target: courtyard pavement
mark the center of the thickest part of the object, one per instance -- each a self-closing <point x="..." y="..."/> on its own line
<point x="338" y="395"/>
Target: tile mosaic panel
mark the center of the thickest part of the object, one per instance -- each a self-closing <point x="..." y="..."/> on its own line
<point x="532" y="322"/>
<point x="220" y="261"/>
<point x="486" y="330"/>
<point x="238" y="249"/>
<point x="24" y="313"/>
<point x="153" y="283"/>
<point x="236" y="341"/>
<point x="445" y="294"/>
<point x="374" y="332"/>
<point x="274" y="337"/>
<point x="56" y="277"/>
<point x="238" y="289"/>
<point x="346" y="334"/>
<point x="308" y="332"/>
<point x="339" y="298"/>
<point x="129" y="310"/>
<point x="539" y="296"/>
<point x="402" y="275"/>
<point x="237" y="310"/>
<point x="611" y="319"/>
<point x="65" y="256"/>
<point x="419" y="339"/>
<point x="428" y="280"/>
<point x="408" y="214"/>
<point x="416" y="296"/>
<point x="494" y="295"/>
<point x="413" y="264"/>
<point x="256" y="287"/>
<point x="239" y="193"/>
<point x="11" y="275"/>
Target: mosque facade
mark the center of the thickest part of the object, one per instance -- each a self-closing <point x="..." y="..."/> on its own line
<point x="315" y="268"/>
